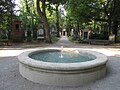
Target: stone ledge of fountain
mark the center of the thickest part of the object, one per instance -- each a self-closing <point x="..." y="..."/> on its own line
<point x="62" y="74"/>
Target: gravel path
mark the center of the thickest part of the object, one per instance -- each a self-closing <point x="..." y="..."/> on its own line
<point x="10" y="79"/>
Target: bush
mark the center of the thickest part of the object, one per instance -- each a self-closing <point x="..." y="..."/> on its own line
<point x="102" y="36"/>
<point x="54" y="39"/>
<point x="3" y="36"/>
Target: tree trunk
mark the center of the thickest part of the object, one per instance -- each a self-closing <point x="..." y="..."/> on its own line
<point x="47" y="30"/>
<point x="42" y="14"/>
<point x="109" y="26"/>
<point x="26" y="5"/>
<point x="115" y="29"/>
<point x="78" y="28"/>
<point x="57" y="21"/>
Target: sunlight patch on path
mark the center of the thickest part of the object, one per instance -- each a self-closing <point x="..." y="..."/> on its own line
<point x="7" y="53"/>
<point x="107" y="52"/>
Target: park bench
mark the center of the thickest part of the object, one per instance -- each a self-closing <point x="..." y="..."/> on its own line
<point x="99" y="42"/>
<point x="40" y="37"/>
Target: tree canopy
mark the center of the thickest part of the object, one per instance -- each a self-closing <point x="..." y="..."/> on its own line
<point x="6" y="11"/>
<point x="101" y="15"/>
<point x="94" y="13"/>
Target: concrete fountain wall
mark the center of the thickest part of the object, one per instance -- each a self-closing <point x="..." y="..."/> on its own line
<point x="62" y="74"/>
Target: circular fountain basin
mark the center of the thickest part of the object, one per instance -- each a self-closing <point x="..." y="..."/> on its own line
<point x="45" y="66"/>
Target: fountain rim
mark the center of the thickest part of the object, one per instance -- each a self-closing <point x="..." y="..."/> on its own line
<point x="100" y="60"/>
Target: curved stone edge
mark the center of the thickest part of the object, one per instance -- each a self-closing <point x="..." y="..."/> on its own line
<point x="25" y="59"/>
<point x="61" y="74"/>
<point x="59" y="78"/>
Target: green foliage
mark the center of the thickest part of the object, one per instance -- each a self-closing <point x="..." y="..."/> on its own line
<point x="28" y="9"/>
<point x="54" y="39"/>
<point x="97" y="14"/>
<point x="72" y="39"/>
<point x="3" y="36"/>
<point x="6" y="13"/>
<point x="102" y="36"/>
<point x="28" y="14"/>
<point x="79" y="11"/>
<point x="57" y="1"/>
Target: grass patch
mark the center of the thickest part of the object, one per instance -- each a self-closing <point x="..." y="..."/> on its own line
<point x="116" y="44"/>
<point x="54" y="39"/>
<point x="70" y="38"/>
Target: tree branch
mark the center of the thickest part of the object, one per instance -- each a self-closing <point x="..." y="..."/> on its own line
<point x="105" y="9"/>
<point x="43" y="6"/>
<point x="38" y="8"/>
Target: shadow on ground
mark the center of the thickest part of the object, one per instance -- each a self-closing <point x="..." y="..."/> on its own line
<point x="10" y="79"/>
<point x="20" y="46"/>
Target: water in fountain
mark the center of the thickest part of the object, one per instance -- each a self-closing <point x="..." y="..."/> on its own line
<point x="61" y="54"/>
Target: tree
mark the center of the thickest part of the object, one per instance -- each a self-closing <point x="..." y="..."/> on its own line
<point x="111" y="10"/>
<point x="78" y="14"/>
<point x="56" y="3"/>
<point x="29" y="16"/>
<point x="116" y="18"/>
<point x="6" y="15"/>
<point x="96" y="13"/>
<point x="42" y="13"/>
<point x="57" y="20"/>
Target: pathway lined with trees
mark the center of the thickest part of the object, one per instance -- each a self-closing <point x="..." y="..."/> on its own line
<point x="102" y="17"/>
<point x="10" y="78"/>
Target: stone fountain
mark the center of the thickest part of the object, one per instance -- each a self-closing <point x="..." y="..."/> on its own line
<point x="62" y="67"/>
